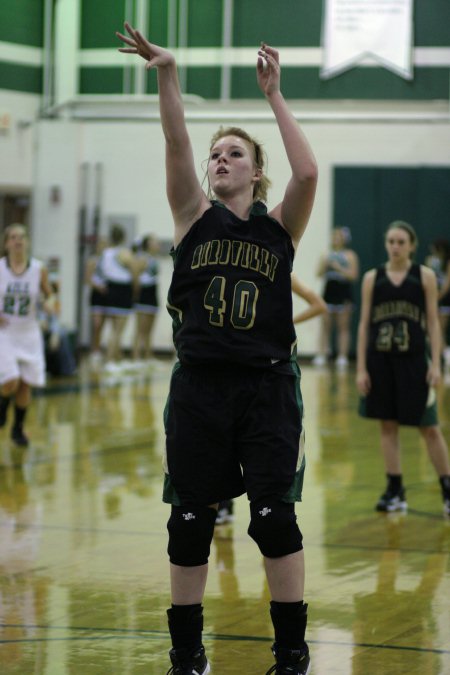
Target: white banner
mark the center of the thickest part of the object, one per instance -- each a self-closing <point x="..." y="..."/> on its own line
<point x="356" y="29"/>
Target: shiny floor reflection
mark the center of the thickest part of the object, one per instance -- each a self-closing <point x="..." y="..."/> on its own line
<point x="83" y="566"/>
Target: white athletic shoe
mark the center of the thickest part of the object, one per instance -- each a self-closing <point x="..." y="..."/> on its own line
<point x="342" y="362"/>
<point x="319" y="360"/>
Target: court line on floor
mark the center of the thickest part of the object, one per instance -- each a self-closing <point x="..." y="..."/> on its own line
<point x="129" y="634"/>
<point x="147" y="533"/>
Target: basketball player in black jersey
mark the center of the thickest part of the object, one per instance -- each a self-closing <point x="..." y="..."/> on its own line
<point x="398" y="360"/>
<point x="234" y="411"/>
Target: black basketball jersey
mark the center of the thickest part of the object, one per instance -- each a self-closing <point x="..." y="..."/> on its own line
<point x="230" y="297"/>
<point x="398" y="316"/>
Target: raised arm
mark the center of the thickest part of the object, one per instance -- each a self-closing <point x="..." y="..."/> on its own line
<point x="294" y="211"/>
<point x="186" y="197"/>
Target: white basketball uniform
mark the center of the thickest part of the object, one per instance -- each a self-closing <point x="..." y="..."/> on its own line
<point x="21" y="341"/>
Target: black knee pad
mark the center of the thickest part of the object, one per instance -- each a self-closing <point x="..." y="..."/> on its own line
<point x="273" y="526"/>
<point x="191" y="530"/>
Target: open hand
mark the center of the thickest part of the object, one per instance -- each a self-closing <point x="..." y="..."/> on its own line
<point x="268" y="70"/>
<point x="433" y="376"/>
<point x="137" y="44"/>
<point x="363" y="382"/>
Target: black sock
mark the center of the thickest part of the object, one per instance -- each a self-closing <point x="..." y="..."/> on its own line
<point x="4" y="403"/>
<point x="186" y="626"/>
<point x="395" y="483"/>
<point x="445" y="486"/>
<point x="289" y="622"/>
<point x="19" y="417"/>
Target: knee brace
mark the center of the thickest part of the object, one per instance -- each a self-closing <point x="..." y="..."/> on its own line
<point x="191" y="530"/>
<point x="273" y="526"/>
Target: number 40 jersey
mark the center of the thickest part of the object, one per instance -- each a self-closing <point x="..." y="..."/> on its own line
<point x="230" y="298"/>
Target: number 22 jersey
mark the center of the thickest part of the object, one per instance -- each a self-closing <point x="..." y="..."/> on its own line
<point x="20" y="293"/>
<point x="230" y="297"/>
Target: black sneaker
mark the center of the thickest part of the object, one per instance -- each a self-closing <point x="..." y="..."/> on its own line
<point x="290" y="661"/>
<point x="225" y="512"/>
<point x="3" y="411"/>
<point x="19" y="437"/>
<point x="447" y="506"/>
<point x="188" y="663"/>
<point x="392" y="501"/>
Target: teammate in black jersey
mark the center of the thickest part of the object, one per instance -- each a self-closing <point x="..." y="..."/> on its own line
<point x="234" y="412"/>
<point x="398" y="360"/>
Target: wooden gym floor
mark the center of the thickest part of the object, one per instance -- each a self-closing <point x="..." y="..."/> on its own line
<point x="83" y="568"/>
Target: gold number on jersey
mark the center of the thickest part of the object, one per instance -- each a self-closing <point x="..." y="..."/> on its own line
<point x="243" y="311"/>
<point x="215" y="302"/>
<point x="390" y="335"/>
<point x="244" y="305"/>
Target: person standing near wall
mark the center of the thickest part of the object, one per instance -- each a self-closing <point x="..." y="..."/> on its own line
<point x="340" y="269"/>
<point x="395" y="374"/>
<point x="439" y="261"/>
<point x="231" y="304"/>
<point x="117" y="266"/>
<point x="98" y="300"/>
<point x="23" y="281"/>
<point x="146" y="305"/>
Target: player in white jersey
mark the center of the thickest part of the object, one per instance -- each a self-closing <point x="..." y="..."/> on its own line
<point x="146" y="304"/>
<point x="23" y="282"/>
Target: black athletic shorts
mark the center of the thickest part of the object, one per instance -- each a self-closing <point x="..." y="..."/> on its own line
<point x="98" y="302"/>
<point x="232" y="430"/>
<point x="147" y="302"/>
<point x="338" y="292"/>
<point x="399" y="390"/>
<point x="120" y="298"/>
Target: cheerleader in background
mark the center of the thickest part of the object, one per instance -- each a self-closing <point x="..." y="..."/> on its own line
<point x="117" y="266"/>
<point x="97" y="300"/>
<point x="339" y="269"/>
<point x="147" y="303"/>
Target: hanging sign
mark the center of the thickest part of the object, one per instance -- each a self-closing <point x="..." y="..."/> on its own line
<point x="356" y="29"/>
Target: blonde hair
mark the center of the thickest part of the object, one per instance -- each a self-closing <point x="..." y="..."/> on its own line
<point x="261" y="186"/>
<point x="7" y="232"/>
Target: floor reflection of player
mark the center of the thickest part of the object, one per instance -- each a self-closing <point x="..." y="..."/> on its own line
<point x="388" y="611"/>
<point x="230" y="609"/>
<point x="22" y="592"/>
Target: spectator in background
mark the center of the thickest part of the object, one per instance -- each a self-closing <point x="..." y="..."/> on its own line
<point x="59" y="356"/>
<point x="98" y="299"/>
<point x="439" y="261"/>
<point x="146" y="305"/>
<point x="23" y="280"/>
<point x="340" y="269"/>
